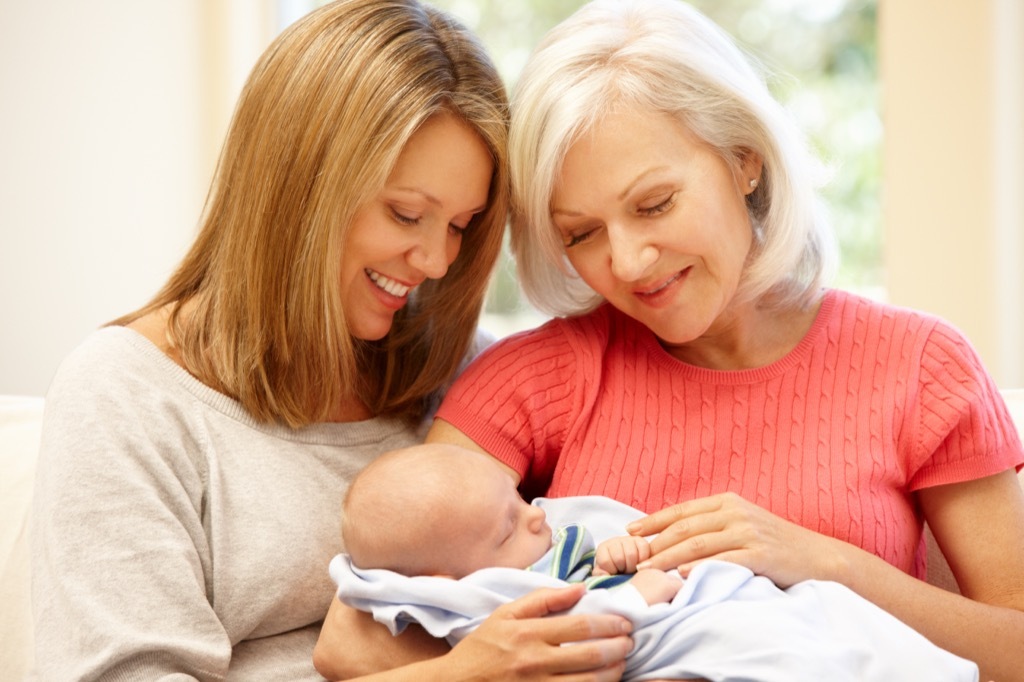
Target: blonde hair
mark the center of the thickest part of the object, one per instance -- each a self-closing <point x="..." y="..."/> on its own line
<point x="319" y="126"/>
<point x="660" y="56"/>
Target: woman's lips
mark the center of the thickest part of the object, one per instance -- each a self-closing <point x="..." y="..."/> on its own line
<point x="391" y="293"/>
<point x="391" y="286"/>
<point x="664" y="286"/>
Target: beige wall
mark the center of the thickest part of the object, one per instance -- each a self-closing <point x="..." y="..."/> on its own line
<point x="953" y="110"/>
<point x="112" y="111"/>
<point x="111" y="115"/>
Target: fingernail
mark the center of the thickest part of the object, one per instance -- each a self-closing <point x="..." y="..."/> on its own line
<point x="643" y="565"/>
<point x="632" y="527"/>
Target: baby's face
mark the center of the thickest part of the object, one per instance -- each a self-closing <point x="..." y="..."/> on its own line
<point x="494" y="526"/>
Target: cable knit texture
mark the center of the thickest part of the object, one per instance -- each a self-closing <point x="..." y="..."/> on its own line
<point x="874" y="403"/>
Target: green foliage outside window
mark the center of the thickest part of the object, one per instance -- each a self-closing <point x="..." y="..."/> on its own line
<point x="821" y="55"/>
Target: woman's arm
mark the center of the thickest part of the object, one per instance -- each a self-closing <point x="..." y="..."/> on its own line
<point x="517" y="642"/>
<point x="352" y="644"/>
<point x="444" y="432"/>
<point x="119" y="554"/>
<point x="978" y="524"/>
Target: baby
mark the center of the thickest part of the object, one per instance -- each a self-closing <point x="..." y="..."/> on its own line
<point x="445" y="511"/>
<point x="438" y="535"/>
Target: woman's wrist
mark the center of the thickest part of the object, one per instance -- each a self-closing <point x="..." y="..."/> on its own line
<point x="838" y="564"/>
<point x="848" y="565"/>
<point x="352" y="644"/>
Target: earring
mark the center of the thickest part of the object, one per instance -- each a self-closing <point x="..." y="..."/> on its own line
<point x="753" y="183"/>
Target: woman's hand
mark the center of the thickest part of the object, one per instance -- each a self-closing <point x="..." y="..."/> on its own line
<point x="729" y="528"/>
<point x="518" y="642"/>
<point x="521" y="640"/>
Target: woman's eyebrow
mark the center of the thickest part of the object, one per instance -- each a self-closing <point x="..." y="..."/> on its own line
<point x="434" y="201"/>
<point x="638" y="179"/>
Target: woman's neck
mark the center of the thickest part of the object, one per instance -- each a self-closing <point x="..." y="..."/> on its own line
<point x="352" y="410"/>
<point x="153" y="326"/>
<point x="747" y="337"/>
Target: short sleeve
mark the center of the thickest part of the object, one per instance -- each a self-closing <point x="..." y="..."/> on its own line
<point x="962" y="428"/>
<point x="516" y="400"/>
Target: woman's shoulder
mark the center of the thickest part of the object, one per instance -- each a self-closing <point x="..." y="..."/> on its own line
<point x="107" y="397"/>
<point x="914" y="340"/>
<point x="107" y="357"/>
<point x="854" y="305"/>
<point x="560" y="352"/>
<point x="859" y="315"/>
<point x="115" y="373"/>
<point x="556" y="336"/>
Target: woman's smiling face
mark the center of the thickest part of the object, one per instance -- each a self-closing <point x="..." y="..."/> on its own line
<point x="412" y="229"/>
<point x="655" y="221"/>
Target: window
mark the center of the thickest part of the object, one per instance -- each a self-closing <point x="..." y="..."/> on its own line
<point x="823" y="61"/>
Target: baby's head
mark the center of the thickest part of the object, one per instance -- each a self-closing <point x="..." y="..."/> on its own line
<point x="439" y="509"/>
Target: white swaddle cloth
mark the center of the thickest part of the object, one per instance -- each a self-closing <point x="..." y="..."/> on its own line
<point x="725" y="623"/>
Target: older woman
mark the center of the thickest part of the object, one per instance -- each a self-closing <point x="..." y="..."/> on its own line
<point x="665" y="209"/>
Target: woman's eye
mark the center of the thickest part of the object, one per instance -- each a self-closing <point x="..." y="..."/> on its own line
<point x="572" y="240"/>
<point x="403" y="218"/>
<point x="659" y="207"/>
<point x="457" y="230"/>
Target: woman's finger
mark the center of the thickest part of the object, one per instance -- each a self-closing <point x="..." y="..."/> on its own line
<point x="689" y="528"/>
<point x="657" y="522"/>
<point x="612" y="673"/>
<point x="543" y="602"/>
<point x="591" y="654"/>
<point x="569" y="629"/>
<point x="538" y="604"/>
<point x="696" y="548"/>
<point x="520" y="640"/>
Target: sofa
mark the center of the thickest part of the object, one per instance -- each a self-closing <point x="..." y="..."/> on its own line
<point x="20" y="423"/>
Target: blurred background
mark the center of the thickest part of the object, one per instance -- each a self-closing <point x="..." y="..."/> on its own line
<point x="112" y="114"/>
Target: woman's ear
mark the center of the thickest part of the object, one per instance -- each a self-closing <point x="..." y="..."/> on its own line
<point x="749" y="169"/>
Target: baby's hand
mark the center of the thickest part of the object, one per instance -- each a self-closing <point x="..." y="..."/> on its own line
<point x="657" y="586"/>
<point x="621" y="555"/>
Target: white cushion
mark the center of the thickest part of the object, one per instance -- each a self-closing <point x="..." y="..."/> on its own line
<point x="20" y="422"/>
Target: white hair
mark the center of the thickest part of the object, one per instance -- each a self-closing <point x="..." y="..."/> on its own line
<point x="661" y="56"/>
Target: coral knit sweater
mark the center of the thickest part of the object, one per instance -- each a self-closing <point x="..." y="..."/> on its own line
<point x="874" y="403"/>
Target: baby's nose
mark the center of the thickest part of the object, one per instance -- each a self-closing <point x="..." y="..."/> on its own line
<point x="537" y="519"/>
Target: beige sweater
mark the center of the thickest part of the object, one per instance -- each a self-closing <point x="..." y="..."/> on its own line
<point x="174" y="537"/>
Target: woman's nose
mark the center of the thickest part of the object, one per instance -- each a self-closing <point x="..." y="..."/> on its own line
<point x="631" y="253"/>
<point x="433" y="253"/>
